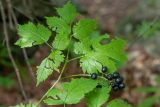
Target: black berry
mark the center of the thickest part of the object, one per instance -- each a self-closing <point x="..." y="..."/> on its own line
<point x="109" y="77"/>
<point x="116" y="75"/>
<point x="116" y="88"/>
<point x="113" y="84"/>
<point x="99" y="86"/>
<point x="119" y="80"/>
<point x="104" y="69"/>
<point x="121" y="85"/>
<point x="94" y="76"/>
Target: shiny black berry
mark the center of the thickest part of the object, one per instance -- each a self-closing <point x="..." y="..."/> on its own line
<point x="119" y="80"/>
<point x="99" y="86"/>
<point x="113" y="84"/>
<point x="94" y="76"/>
<point x="116" y="88"/>
<point x="104" y="69"/>
<point x="121" y="85"/>
<point x="116" y="75"/>
<point x="109" y="77"/>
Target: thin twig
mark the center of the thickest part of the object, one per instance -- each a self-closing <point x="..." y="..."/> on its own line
<point x="10" y="53"/>
<point x="75" y="58"/>
<point x="83" y="75"/>
<point x="28" y="64"/>
<point x="24" y="50"/>
<point x="59" y="78"/>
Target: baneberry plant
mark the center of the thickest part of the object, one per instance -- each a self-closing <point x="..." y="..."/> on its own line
<point x="97" y="60"/>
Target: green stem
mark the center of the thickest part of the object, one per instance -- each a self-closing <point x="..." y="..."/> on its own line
<point x="59" y="78"/>
<point x="75" y="58"/>
<point x="82" y="75"/>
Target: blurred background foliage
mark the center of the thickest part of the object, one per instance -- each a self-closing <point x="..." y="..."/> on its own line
<point x="137" y="21"/>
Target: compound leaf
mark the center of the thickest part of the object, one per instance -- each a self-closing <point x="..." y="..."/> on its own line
<point x="96" y="54"/>
<point x="70" y="93"/>
<point x="32" y="35"/>
<point x="48" y="65"/>
<point x="62" y="29"/>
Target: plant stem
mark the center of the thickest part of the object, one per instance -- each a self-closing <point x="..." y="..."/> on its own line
<point x="83" y="75"/>
<point x="75" y="58"/>
<point x="59" y="78"/>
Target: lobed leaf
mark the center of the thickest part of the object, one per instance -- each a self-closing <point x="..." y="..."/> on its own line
<point x="98" y="96"/>
<point x="83" y="29"/>
<point x="68" y="12"/>
<point x="89" y="64"/>
<point x="32" y="35"/>
<point x="61" y="41"/>
<point x="48" y="65"/>
<point x="70" y="93"/>
<point x="58" y="25"/>
<point x="97" y="54"/>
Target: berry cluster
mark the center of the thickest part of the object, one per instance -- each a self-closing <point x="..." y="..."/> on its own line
<point x="115" y="79"/>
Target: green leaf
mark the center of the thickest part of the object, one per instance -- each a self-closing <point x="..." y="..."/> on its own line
<point x="148" y="89"/>
<point x="70" y="93"/>
<point x="118" y="103"/>
<point x="63" y="31"/>
<point x="95" y="53"/>
<point x="32" y="35"/>
<point x="115" y="49"/>
<point x="48" y="65"/>
<point x="148" y="29"/>
<point x="83" y="29"/>
<point x="67" y="12"/>
<point x="98" y="96"/>
<point x="100" y="54"/>
<point x="58" y="25"/>
<point x="89" y="64"/>
<point x="148" y="102"/>
<point x="82" y="47"/>
<point x="61" y="41"/>
<point x="95" y="41"/>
